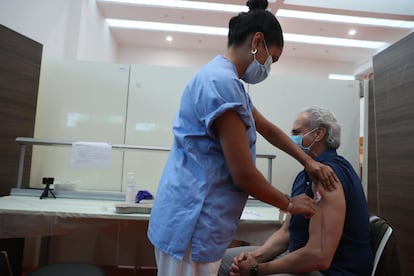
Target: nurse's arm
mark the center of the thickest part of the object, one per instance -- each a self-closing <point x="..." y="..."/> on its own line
<point x="232" y="133"/>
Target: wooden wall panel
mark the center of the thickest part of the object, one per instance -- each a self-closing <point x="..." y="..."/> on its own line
<point x="20" y="60"/>
<point x="372" y="188"/>
<point x="393" y="132"/>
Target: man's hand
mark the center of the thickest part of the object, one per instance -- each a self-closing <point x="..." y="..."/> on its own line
<point x="241" y="264"/>
<point x="322" y="174"/>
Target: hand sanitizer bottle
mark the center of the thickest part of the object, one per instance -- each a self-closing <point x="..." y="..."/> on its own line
<point x="130" y="192"/>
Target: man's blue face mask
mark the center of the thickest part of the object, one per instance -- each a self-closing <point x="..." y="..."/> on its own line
<point x="297" y="139"/>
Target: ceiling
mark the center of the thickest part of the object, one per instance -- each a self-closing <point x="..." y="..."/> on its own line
<point x="398" y="10"/>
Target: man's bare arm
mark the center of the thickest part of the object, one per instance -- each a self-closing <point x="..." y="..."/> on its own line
<point x="275" y="245"/>
<point x="325" y="231"/>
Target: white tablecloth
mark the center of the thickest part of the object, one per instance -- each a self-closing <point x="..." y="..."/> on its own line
<point x="26" y="216"/>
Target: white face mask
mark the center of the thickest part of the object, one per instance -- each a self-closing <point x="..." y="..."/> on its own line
<point x="257" y="72"/>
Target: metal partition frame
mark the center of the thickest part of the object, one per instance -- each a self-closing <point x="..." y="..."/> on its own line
<point x="23" y="141"/>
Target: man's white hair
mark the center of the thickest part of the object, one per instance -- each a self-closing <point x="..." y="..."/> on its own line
<point x="323" y="117"/>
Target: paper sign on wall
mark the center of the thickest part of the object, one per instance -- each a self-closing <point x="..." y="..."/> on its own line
<point x="91" y="155"/>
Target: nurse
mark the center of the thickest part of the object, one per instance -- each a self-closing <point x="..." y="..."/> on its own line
<point x="211" y="169"/>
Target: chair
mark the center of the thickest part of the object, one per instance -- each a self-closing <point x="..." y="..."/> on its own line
<point x="68" y="269"/>
<point x="5" y="267"/>
<point x="386" y="261"/>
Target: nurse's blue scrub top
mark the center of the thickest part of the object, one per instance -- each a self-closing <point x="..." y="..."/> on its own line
<point x="196" y="200"/>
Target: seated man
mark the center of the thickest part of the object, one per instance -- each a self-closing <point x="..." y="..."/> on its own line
<point x="336" y="240"/>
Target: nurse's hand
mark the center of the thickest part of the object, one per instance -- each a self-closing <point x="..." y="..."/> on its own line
<point x="303" y="204"/>
<point x="322" y="174"/>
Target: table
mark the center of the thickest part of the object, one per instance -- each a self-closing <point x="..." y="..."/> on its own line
<point x="25" y="216"/>
<point x="29" y="216"/>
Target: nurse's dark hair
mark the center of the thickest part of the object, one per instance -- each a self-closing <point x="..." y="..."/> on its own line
<point x="257" y="19"/>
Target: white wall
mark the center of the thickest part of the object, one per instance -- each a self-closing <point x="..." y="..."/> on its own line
<point x="95" y="39"/>
<point x="286" y="66"/>
<point x="89" y="101"/>
<point x="67" y="28"/>
<point x="80" y="101"/>
<point x="75" y="29"/>
<point x="280" y="98"/>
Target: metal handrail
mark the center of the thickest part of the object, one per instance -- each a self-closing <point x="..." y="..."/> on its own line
<point x="23" y="141"/>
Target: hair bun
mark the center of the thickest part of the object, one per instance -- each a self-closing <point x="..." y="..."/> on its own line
<point x="257" y="4"/>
